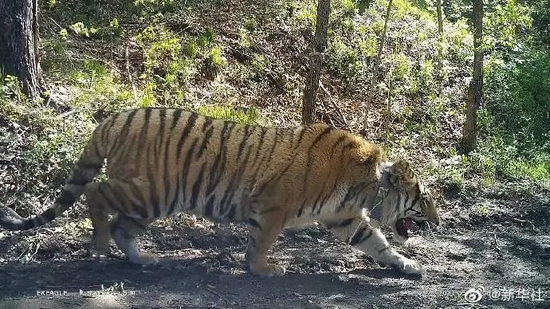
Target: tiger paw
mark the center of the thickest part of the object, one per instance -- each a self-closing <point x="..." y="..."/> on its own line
<point x="409" y="267"/>
<point x="98" y="255"/>
<point x="267" y="270"/>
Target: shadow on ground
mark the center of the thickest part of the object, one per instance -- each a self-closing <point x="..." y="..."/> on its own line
<point x="506" y="264"/>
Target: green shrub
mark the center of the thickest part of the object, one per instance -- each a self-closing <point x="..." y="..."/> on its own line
<point x="167" y="68"/>
<point x="50" y="143"/>
<point x="215" y="58"/>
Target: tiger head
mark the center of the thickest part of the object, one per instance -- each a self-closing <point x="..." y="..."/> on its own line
<point x="406" y="203"/>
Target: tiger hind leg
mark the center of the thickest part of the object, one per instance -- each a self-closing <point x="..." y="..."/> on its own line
<point x="124" y="230"/>
<point x="114" y="196"/>
<point x="263" y="231"/>
<point x="99" y="215"/>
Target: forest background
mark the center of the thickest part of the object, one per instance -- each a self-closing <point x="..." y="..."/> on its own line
<point x="247" y="61"/>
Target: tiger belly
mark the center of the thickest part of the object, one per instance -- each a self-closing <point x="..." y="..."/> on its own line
<point x="216" y="208"/>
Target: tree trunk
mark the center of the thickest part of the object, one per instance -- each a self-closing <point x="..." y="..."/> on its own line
<point x="475" y="94"/>
<point x="19" y="43"/>
<point x="316" y="59"/>
<point x="374" y="77"/>
<point x="439" y="18"/>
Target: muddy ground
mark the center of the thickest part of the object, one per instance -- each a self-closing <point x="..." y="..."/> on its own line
<point x="501" y="253"/>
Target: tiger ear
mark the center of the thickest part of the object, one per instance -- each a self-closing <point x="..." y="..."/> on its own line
<point x="402" y="176"/>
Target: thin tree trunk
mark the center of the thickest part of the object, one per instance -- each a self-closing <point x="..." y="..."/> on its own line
<point x="388" y="108"/>
<point x="440" y="46"/>
<point x="439" y="18"/>
<point x="316" y="59"/>
<point x="374" y="77"/>
<point x="475" y="91"/>
<point x="19" y="43"/>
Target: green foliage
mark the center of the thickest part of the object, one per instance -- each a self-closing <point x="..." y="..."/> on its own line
<point x="344" y="58"/>
<point x="97" y="88"/>
<point x="208" y="37"/>
<point x="482" y="210"/>
<point x="244" y="39"/>
<point x="192" y="48"/>
<point x="514" y="136"/>
<point x="402" y="68"/>
<point x="80" y="29"/>
<point x="403" y="8"/>
<point x="151" y="7"/>
<point x="15" y="106"/>
<point x="171" y="62"/>
<point x="450" y="172"/>
<point x="247" y="116"/>
<point x="505" y="23"/>
<point x="110" y="31"/>
<point x="166" y="68"/>
<point x="52" y="154"/>
<point x="306" y="13"/>
<point x="498" y="157"/>
<point x="10" y="90"/>
<point x="353" y="45"/>
<point x="51" y="143"/>
<point x="540" y="12"/>
<point x="518" y="99"/>
<point x="251" y="25"/>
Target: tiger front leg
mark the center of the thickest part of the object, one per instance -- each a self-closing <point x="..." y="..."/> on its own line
<point x="358" y="233"/>
<point x="263" y="231"/>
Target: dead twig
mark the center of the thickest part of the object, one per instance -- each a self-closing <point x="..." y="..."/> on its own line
<point x="211" y="290"/>
<point x="495" y="242"/>
<point x="27" y="256"/>
<point x="67" y="114"/>
<point x="325" y="112"/>
<point x="56" y="23"/>
<point x="521" y="221"/>
<point x="334" y="105"/>
<point x="127" y="58"/>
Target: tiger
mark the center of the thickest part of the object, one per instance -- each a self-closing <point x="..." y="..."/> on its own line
<point x="162" y="161"/>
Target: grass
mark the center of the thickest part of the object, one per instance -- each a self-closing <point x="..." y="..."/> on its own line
<point x="249" y="116"/>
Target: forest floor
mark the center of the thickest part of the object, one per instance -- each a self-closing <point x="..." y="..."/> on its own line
<point x="500" y="256"/>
